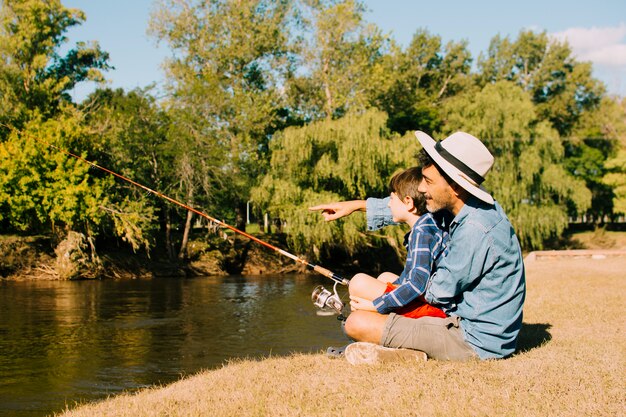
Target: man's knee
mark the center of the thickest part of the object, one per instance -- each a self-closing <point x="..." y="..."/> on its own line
<point x="365" y="326"/>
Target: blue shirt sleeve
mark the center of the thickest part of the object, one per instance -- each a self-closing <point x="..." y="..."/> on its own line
<point x="377" y="213"/>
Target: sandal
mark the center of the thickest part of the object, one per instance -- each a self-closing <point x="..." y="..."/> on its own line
<point x="336" y="352"/>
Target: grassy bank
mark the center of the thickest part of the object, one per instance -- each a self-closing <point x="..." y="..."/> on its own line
<point x="571" y="362"/>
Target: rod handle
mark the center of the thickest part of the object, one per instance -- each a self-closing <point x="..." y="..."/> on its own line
<point x="330" y="274"/>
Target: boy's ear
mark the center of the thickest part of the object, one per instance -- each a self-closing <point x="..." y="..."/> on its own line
<point x="409" y="203"/>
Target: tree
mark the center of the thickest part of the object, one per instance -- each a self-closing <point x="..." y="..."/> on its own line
<point x="615" y="167"/>
<point x="33" y="77"/>
<point x="41" y="187"/>
<point x="561" y="88"/>
<point x="331" y="160"/>
<point x="128" y="135"/>
<point x="420" y="79"/>
<point x="231" y="60"/>
<point x="528" y="178"/>
<point x="342" y="63"/>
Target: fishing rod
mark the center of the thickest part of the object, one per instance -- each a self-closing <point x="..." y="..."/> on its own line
<point x="317" y="268"/>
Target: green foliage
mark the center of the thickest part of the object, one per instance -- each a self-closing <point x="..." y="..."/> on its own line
<point x="128" y="134"/>
<point x="331" y="160"/>
<point x="528" y="178"/>
<point x="420" y="78"/>
<point x="561" y="88"/>
<point x="231" y="63"/>
<point x="33" y="77"/>
<point x="135" y="222"/>
<point x="342" y="62"/>
<point x="40" y="186"/>
<point x="616" y="178"/>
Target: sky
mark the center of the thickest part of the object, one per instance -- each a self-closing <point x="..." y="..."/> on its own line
<point x="596" y="31"/>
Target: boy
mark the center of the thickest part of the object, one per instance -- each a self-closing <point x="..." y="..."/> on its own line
<point x="425" y="244"/>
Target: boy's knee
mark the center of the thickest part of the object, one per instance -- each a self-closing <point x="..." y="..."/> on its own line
<point x="357" y="282"/>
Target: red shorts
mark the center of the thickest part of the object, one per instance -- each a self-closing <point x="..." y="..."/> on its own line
<point x="416" y="309"/>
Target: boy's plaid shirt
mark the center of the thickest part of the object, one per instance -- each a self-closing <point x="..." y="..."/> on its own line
<point x="425" y="244"/>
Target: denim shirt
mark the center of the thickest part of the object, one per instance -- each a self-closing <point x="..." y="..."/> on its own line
<point x="481" y="277"/>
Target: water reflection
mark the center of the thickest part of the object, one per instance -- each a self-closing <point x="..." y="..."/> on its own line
<point x="63" y="342"/>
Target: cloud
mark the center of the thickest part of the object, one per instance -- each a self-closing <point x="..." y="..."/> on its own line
<point x="605" y="46"/>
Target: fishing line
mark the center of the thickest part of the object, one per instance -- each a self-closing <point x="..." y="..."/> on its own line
<point x="317" y="268"/>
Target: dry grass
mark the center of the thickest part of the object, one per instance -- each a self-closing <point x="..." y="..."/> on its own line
<point x="571" y="363"/>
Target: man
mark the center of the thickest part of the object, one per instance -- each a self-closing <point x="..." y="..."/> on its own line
<point x="479" y="283"/>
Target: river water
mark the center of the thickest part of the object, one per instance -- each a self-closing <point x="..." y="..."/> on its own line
<point x="68" y="342"/>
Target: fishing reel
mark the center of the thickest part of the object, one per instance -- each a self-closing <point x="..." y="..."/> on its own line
<point x="326" y="300"/>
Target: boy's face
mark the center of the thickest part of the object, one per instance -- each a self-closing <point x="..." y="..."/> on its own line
<point x="400" y="209"/>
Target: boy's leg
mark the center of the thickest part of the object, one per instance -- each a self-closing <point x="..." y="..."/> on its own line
<point x="387" y="277"/>
<point x="365" y="286"/>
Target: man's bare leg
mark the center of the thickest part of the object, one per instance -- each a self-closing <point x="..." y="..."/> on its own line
<point x="365" y="326"/>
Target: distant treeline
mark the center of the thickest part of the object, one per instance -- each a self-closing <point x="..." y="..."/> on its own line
<point x="286" y="104"/>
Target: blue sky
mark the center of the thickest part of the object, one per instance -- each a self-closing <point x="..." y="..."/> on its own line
<point x="596" y="31"/>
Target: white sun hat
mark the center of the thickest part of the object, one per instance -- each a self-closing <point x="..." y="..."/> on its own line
<point x="464" y="158"/>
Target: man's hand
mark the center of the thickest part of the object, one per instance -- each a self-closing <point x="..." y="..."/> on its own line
<point x="334" y="211"/>
<point x="359" y="303"/>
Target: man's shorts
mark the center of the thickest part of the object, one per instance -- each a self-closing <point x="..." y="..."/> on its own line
<point x="439" y="338"/>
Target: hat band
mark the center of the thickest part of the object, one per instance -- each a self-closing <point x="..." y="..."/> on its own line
<point x="458" y="164"/>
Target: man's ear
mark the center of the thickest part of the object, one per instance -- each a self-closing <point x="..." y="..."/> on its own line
<point x="459" y="191"/>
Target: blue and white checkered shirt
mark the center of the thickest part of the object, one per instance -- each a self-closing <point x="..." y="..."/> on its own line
<point x="425" y="243"/>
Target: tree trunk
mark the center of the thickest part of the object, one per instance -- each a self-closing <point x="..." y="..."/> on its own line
<point x="168" y="235"/>
<point x="240" y="216"/>
<point x="183" y="246"/>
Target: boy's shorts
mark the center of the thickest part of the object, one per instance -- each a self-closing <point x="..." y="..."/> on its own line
<point x="416" y="309"/>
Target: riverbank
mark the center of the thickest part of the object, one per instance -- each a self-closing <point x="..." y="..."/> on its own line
<point x="571" y="361"/>
<point x="37" y="257"/>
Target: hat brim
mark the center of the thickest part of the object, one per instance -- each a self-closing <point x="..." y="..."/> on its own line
<point x="453" y="172"/>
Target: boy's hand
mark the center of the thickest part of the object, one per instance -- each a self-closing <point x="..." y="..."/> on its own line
<point x="359" y="303"/>
<point x="334" y="211"/>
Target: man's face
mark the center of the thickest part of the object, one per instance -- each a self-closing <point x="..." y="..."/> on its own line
<point x="438" y="193"/>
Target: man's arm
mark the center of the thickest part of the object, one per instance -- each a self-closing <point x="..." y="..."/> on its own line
<point x="466" y="261"/>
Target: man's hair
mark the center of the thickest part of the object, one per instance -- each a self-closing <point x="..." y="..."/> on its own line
<point x="405" y="184"/>
<point x="425" y="161"/>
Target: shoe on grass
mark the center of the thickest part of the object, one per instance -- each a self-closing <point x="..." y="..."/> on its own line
<point x="336" y="352"/>
<point x="370" y="353"/>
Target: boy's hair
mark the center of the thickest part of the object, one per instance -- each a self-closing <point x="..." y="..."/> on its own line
<point x="405" y="184"/>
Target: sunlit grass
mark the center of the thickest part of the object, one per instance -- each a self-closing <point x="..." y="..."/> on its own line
<point x="570" y="362"/>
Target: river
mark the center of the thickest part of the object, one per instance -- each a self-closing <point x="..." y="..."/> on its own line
<point x="69" y="342"/>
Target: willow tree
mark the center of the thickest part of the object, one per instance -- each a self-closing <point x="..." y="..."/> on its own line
<point x="331" y="160"/>
<point x="528" y="178"/>
<point x="230" y="60"/>
<point x="615" y="167"/>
